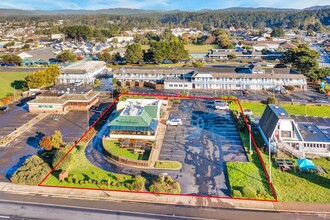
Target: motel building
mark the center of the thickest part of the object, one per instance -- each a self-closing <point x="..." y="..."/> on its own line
<point x="300" y="139"/>
<point x="137" y="119"/>
<point x="55" y="103"/>
<point x="82" y="71"/>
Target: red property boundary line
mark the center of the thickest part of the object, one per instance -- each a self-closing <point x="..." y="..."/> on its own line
<point x="165" y="96"/>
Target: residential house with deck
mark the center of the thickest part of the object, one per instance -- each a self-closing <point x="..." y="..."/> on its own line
<point x="300" y="139"/>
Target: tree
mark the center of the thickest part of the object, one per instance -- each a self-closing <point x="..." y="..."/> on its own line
<point x="33" y="170"/>
<point x="13" y="59"/>
<point x="57" y="140"/>
<point x="198" y="64"/>
<point x="45" y="143"/>
<point x="66" y="56"/>
<point x="26" y="46"/>
<point x="302" y="59"/>
<point x="231" y="56"/>
<point x="323" y="73"/>
<point x="134" y="53"/>
<point x="278" y="32"/>
<point x="42" y="78"/>
<point x="106" y="57"/>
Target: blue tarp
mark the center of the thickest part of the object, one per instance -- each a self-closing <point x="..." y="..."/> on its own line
<point x="305" y="164"/>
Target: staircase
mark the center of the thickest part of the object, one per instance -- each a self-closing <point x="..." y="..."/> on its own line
<point x="286" y="148"/>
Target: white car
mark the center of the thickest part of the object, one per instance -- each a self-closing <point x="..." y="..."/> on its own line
<point x="248" y="112"/>
<point x="222" y="106"/>
<point x="174" y="122"/>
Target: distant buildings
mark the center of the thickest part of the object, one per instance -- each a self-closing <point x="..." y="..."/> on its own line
<point x="82" y="71"/>
<point x="44" y="56"/>
<point x="247" y="77"/>
<point x="282" y="133"/>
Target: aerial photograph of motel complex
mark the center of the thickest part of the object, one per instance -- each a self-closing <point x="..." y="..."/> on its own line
<point x="165" y="109"/>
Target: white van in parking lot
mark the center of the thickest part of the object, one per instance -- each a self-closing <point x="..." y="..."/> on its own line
<point x="222" y="106"/>
<point x="174" y="122"/>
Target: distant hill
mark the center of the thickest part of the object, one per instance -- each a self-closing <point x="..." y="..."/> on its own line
<point x="130" y="11"/>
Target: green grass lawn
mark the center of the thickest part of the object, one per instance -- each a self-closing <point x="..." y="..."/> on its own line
<point x="258" y="109"/>
<point x="241" y="174"/>
<point x="163" y="164"/>
<point x="290" y="186"/>
<point x="8" y="79"/>
<point x="82" y="170"/>
<point x="192" y="48"/>
<point x="113" y="147"/>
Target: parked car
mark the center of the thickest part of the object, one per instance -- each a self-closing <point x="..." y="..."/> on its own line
<point x="245" y="92"/>
<point x="174" y="122"/>
<point x="4" y="108"/>
<point x="221" y="106"/>
<point x="248" y="112"/>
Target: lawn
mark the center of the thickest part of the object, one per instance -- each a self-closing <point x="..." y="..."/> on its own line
<point x="192" y="48"/>
<point x="86" y="175"/>
<point x="290" y="186"/>
<point x="113" y="147"/>
<point x="8" y="79"/>
<point x="241" y="174"/>
<point x="173" y="165"/>
<point x="258" y="109"/>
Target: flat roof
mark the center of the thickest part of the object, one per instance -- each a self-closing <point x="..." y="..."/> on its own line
<point x="311" y="133"/>
<point x="83" y="67"/>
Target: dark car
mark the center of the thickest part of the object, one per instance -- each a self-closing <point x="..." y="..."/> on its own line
<point x="4" y="108"/>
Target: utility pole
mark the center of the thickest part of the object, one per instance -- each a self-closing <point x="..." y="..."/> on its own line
<point x="270" y="161"/>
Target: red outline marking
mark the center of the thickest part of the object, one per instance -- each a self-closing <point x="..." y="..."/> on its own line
<point x="166" y="96"/>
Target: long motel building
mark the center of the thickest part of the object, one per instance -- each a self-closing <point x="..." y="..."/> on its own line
<point x="246" y="77"/>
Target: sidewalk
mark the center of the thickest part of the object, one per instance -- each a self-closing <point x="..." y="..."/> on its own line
<point x="166" y="199"/>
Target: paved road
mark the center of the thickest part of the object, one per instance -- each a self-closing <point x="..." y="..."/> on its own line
<point x="310" y="96"/>
<point x="14" y="206"/>
<point x="324" y="60"/>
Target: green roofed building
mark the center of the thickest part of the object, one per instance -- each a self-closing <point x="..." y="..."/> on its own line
<point x="137" y="119"/>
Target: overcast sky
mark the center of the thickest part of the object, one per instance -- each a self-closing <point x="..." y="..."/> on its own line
<point x="156" y="4"/>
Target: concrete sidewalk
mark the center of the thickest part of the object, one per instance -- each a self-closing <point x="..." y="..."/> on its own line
<point x="166" y="199"/>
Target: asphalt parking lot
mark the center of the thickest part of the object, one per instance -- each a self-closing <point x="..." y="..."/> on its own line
<point x="207" y="139"/>
<point x="72" y="125"/>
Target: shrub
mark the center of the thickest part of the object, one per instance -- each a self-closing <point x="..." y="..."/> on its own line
<point x="237" y="194"/>
<point x="289" y="88"/>
<point x="249" y="192"/>
<point x="272" y="100"/>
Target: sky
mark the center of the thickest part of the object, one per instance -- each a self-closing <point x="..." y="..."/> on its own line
<point x="155" y="4"/>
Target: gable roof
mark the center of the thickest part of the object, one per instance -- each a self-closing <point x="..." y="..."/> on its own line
<point x="270" y="118"/>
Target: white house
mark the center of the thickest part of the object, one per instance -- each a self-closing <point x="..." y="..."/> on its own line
<point x="282" y="133"/>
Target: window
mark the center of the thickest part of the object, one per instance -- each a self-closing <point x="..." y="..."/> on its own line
<point x="170" y="85"/>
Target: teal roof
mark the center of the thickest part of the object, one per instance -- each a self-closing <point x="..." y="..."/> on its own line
<point x="146" y="120"/>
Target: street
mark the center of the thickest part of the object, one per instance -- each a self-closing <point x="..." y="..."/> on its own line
<point x="14" y="206"/>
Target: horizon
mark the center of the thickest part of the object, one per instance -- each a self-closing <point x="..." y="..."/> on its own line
<point x="160" y="5"/>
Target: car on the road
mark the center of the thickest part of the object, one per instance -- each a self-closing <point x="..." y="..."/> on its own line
<point x="222" y="106"/>
<point x="248" y="112"/>
<point x="4" y="108"/>
<point x="174" y="122"/>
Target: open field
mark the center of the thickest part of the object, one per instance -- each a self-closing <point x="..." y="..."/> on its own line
<point x="192" y="48"/>
<point x="9" y="79"/>
<point x="258" y="109"/>
<point x="93" y="177"/>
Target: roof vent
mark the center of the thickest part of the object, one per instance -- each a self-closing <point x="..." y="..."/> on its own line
<point x="277" y="107"/>
<point x="282" y="114"/>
